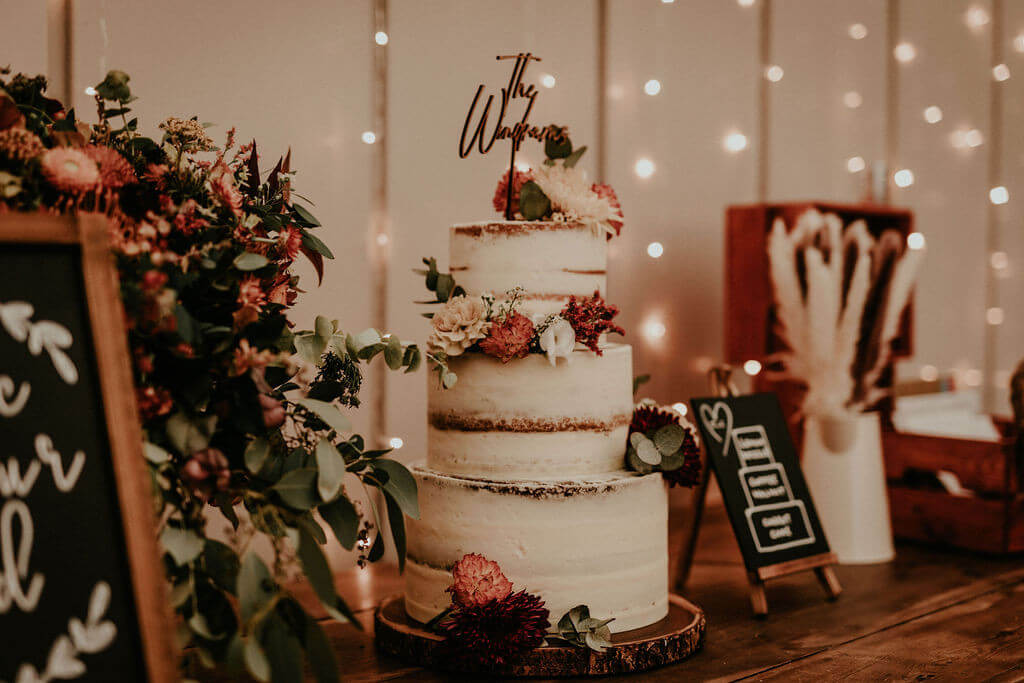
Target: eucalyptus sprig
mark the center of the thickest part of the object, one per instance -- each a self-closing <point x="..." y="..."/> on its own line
<point x="578" y="628"/>
<point x="441" y="284"/>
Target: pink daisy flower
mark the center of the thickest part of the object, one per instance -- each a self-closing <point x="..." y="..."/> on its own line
<point x="70" y="170"/>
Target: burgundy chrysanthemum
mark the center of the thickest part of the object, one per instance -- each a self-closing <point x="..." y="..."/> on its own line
<point x="648" y="419"/>
<point x="509" y="338"/>
<point x="590" y="318"/>
<point x="496" y="633"/>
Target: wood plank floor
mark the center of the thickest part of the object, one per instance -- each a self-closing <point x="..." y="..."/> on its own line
<point x="930" y="615"/>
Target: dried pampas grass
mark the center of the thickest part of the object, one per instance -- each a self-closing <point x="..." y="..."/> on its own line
<point x="839" y="297"/>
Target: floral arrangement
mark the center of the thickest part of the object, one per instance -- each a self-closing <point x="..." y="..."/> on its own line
<point x="559" y="191"/>
<point x="489" y="625"/>
<point x="205" y="245"/>
<point x="662" y="440"/>
<point x="481" y="324"/>
<point x="839" y="296"/>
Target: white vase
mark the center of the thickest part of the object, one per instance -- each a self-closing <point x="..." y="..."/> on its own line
<point x="843" y="466"/>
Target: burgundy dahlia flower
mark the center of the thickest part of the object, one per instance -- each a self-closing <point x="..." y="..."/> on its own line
<point x="497" y="632"/>
<point x="648" y="419"/>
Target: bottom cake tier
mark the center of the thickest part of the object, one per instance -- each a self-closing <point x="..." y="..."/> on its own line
<point x="601" y="541"/>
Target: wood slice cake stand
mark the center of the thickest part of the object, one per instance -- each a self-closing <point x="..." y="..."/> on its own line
<point x="674" y="638"/>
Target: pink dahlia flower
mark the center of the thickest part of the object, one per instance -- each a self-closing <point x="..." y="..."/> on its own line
<point x="509" y="338"/>
<point x="501" y="192"/>
<point x="115" y="171"/>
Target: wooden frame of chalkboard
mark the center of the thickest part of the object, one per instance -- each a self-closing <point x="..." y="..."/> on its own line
<point x="90" y="233"/>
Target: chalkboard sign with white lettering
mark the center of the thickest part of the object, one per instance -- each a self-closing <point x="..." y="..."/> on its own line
<point x="756" y="466"/>
<point x="81" y="590"/>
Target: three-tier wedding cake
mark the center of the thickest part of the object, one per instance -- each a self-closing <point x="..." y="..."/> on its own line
<point x="526" y="459"/>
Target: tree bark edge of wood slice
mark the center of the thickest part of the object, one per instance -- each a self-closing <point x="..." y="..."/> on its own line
<point x="673" y="639"/>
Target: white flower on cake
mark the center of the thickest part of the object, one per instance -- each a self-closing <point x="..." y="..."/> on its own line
<point x="458" y="325"/>
<point x="573" y="196"/>
<point x="556" y="337"/>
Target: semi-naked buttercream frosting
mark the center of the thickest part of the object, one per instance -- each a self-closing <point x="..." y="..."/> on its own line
<point x="599" y="541"/>
<point x="550" y="260"/>
<point x="525" y="460"/>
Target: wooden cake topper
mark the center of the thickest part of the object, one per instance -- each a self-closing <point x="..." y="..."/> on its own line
<point x="521" y="129"/>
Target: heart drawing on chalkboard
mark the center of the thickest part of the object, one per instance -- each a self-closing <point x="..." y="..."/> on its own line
<point x="717" y="421"/>
<point x="94" y="635"/>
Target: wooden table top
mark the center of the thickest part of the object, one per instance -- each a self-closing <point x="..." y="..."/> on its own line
<point x="930" y="614"/>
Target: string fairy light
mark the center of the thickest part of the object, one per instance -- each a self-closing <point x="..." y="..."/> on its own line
<point x="654" y="329"/>
<point x="547" y="80"/>
<point x="994" y="316"/>
<point x="855" y="164"/>
<point x="369" y="137"/>
<point x="903" y="177"/>
<point x="905" y="52"/>
<point x="774" y="73"/>
<point x="734" y="142"/>
<point x="858" y="31"/>
<point x="852" y="99"/>
<point x="929" y="373"/>
<point x="999" y="195"/>
<point x="381" y="38"/>
<point x="652" y="87"/>
<point x="396" y="442"/>
<point x="680" y="408"/>
<point x="999" y="260"/>
<point x="915" y="241"/>
<point x="644" y="168"/>
<point x="752" y="367"/>
<point x="1001" y="72"/>
<point x="655" y="249"/>
<point x="976" y="17"/>
<point x="932" y="114"/>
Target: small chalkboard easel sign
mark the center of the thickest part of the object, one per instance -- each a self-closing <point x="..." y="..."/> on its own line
<point x="748" y="447"/>
<point x="82" y="591"/>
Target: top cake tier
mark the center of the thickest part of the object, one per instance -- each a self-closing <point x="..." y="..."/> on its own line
<point x="551" y="261"/>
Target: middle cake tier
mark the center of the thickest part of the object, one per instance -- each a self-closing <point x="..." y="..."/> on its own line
<point x="529" y="420"/>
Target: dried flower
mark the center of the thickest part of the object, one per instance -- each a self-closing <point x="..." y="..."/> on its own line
<point x="477" y="581"/>
<point x="519" y="179"/>
<point x="222" y="184"/>
<point x="458" y="325"/>
<point x="556" y="336"/>
<point x="70" y="170"/>
<point x="509" y="338"/>
<point x="247" y="358"/>
<point x="498" y="631"/>
<point x="115" y="171"/>
<point x="187" y="134"/>
<point x="289" y="242"/>
<point x="606" y="192"/>
<point x="207" y="473"/>
<point x="18" y="144"/>
<point x="572" y="195"/>
<point x="590" y="318"/>
<point x="153" y="402"/>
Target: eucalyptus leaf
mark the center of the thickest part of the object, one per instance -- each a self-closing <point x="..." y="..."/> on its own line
<point x="189" y="435"/>
<point x="183" y="545"/>
<point x="393" y="353"/>
<point x="573" y="158"/>
<point x="311" y="241"/>
<point x="323" y="327"/>
<point x="669" y="439"/>
<point x="255" y="586"/>
<point x="256" y="454"/>
<point x="248" y="260"/>
<point x="365" y="338"/>
<point x="319" y="574"/>
<point x="283" y="650"/>
<point x="648" y="452"/>
<point x="397" y="523"/>
<point x="401" y="485"/>
<point x="256" y="662"/>
<point x="448" y="379"/>
<point x="342" y="518"/>
<point x="533" y="203"/>
<point x="445" y="285"/>
<point x="155" y="454"/>
<point x="310" y="347"/>
<point x="305" y="216"/>
<point x="327" y="412"/>
<point x="298" y="488"/>
<point x="331" y="468"/>
<point x="320" y="654"/>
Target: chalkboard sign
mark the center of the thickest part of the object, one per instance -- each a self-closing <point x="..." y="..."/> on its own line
<point x="756" y="466"/>
<point x="82" y="593"/>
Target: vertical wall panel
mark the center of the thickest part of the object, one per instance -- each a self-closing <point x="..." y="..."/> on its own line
<point x="439" y="53"/>
<point x="950" y="192"/>
<point x="23" y="37"/>
<point x="813" y="131"/>
<point x="704" y="53"/>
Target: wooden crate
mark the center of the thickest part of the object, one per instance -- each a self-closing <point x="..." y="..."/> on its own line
<point x="991" y="520"/>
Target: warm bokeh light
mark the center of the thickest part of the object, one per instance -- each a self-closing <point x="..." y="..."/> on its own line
<point x="903" y="177"/>
<point x="735" y="142"/>
<point x="976" y="17"/>
<point x="383" y="239"/>
<point x="858" y="31"/>
<point x="852" y="99"/>
<point x="774" y="73"/>
<point x="905" y="53"/>
<point x="680" y="408"/>
<point x="644" y="168"/>
<point x="396" y="442"/>
<point x="655" y="249"/>
<point x="855" y="164"/>
<point x="999" y="195"/>
<point x="745" y="3"/>
<point x="369" y="137"/>
<point x="932" y="114"/>
<point x="1001" y="72"/>
<point x="972" y="377"/>
<point x="999" y="260"/>
<point x="752" y="367"/>
<point x="654" y="329"/>
<point x="380" y="38"/>
<point x="90" y="91"/>
<point x="929" y="373"/>
<point x="547" y="80"/>
<point x="652" y="87"/>
<point x="994" y="316"/>
<point x="915" y="240"/>
<point x="1018" y="42"/>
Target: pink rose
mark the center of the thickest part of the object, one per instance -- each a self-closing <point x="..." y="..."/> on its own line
<point x="477" y="581"/>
